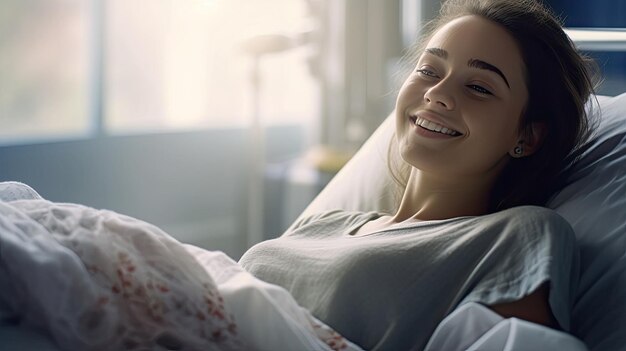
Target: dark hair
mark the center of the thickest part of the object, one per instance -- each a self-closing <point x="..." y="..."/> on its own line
<point x="559" y="81"/>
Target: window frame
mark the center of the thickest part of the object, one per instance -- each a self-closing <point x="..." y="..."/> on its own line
<point x="95" y="113"/>
<point x="597" y="38"/>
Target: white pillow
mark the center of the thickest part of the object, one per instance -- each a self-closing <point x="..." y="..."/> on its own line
<point x="594" y="203"/>
<point x="364" y="183"/>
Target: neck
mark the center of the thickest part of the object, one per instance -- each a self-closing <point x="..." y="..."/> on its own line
<point x="428" y="197"/>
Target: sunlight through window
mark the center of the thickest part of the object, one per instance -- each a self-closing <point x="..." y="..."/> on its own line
<point x="174" y="64"/>
<point x="161" y="65"/>
<point x="44" y="59"/>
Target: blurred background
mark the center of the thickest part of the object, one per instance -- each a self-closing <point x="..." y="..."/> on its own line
<point x="216" y="120"/>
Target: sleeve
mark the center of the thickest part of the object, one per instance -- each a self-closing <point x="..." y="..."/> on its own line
<point x="522" y="249"/>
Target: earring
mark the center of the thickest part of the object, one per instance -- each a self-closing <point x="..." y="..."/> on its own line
<point x="518" y="151"/>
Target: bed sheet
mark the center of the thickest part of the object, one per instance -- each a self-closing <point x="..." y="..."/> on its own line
<point x="278" y="322"/>
<point x="14" y="337"/>
<point x="95" y="280"/>
<point x="471" y="327"/>
<point x="474" y="327"/>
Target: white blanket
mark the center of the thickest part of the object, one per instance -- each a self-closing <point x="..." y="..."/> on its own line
<point x="95" y="280"/>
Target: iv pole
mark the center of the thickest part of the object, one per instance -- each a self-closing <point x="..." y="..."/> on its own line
<point x="256" y="48"/>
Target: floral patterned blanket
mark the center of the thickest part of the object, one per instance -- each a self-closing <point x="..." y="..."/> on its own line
<point x="98" y="280"/>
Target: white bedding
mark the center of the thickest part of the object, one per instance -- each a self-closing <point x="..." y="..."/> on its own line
<point x="96" y="279"/>
<point x="66" y="269"/>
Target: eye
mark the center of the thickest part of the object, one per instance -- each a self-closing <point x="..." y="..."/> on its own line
<point x="427" y="72"/>
<point x="479" y="89"/>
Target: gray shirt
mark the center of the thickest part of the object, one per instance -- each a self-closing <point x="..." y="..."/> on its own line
<point x="388" y="290"/>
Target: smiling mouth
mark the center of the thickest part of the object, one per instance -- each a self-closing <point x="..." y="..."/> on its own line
<point x="433" y="127"/>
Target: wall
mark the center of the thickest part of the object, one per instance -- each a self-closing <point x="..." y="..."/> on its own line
<point x="192" y="184"/>
<point x="603" y="14"/>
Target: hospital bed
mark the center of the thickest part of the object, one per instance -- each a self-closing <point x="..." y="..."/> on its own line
<point x="593" y="201"/>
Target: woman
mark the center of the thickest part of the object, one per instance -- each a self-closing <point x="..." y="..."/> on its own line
<point x="485" y="124"/>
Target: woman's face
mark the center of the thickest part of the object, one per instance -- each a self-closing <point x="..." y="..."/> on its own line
<point x="458" y="112"/>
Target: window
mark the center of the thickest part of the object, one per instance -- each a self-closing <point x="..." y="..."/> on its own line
<point x="180" y="64"/>
<point x="599" y="28"/>
<point x="135" y="66"/>
<point x="44" y="62"/>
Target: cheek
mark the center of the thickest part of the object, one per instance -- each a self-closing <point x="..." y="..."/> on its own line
<point x="497" y="126"/>
<point x="410" y="90"/>
<point x="408" y="96"/>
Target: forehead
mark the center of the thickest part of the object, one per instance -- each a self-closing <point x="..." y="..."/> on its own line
<point x="473" y="37"/>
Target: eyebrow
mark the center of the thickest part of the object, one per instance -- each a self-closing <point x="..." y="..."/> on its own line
<point x="474" y="63"/>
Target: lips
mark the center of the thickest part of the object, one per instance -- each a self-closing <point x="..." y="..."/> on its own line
<point x="433" y="126"/>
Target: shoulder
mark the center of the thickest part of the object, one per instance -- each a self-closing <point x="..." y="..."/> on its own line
<point x="336" y="218"/>
<point x="530" y="219"/>
<point x="531" y="214"/>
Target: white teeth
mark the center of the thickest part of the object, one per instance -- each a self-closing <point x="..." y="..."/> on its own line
<point x="434" y="127"/>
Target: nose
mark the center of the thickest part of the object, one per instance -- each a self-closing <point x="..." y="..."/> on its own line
<point x="441" y="95"/>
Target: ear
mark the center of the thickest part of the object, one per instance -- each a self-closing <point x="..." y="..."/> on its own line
<point x="530" y="140"/>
